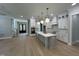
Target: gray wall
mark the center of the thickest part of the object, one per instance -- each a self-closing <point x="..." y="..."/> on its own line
<point x="72" y="11"/>
<point x="5" y="26"/>
<point x="75" y="27"/>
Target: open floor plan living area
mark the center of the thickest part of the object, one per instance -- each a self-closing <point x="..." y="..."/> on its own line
<point x="39" y="29"/>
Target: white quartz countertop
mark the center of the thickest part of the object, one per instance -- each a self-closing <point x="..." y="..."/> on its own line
<point x="46" y="35"/>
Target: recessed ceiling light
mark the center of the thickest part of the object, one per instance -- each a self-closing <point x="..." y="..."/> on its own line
<point x="21" y="16"/>
<point x="74" y="4"/>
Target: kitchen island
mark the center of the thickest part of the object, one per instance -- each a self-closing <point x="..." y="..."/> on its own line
<point x="48" y="39"/>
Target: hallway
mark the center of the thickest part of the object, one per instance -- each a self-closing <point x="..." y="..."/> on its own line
<point x="30" y="46"/>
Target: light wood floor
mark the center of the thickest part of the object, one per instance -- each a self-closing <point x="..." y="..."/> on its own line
<point x="30" y="46"/>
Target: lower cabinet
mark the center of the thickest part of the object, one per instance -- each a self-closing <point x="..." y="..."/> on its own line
<point x="49" y="42"/>
<point x="63" y="35"/>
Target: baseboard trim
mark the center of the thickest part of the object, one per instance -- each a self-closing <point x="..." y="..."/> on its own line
<point x="62" y="41"/>
<point x="65" y="42"/>
<point x="70" y="44"/>
<point x="32" y="34"/>
<point x="5" y="38"/>
<point x="76" y="41"/>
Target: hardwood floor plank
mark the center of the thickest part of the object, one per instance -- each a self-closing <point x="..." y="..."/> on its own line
<point x="30" y="46"/>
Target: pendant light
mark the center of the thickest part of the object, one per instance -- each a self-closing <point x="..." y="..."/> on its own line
<point x="42" y="18"/>
<point x="41" y="21"/>
<point x="47" y="18"/>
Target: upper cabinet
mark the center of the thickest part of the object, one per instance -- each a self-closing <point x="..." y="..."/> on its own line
<point x="54" y="21"/>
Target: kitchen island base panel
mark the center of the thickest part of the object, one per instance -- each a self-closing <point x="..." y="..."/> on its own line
<point x="49" y="41"/>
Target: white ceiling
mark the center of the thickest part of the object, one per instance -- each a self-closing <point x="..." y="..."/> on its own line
<point x="33" y="9"/>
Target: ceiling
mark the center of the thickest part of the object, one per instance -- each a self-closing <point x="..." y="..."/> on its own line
<point x="32" y="9"/>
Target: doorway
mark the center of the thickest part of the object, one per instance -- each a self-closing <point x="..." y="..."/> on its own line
<point x="22" y="28"/>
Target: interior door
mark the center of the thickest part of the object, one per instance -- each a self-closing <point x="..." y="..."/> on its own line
<point x="22" y="28"/>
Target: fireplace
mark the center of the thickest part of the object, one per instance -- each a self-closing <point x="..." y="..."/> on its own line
<point x="32" y="30"/>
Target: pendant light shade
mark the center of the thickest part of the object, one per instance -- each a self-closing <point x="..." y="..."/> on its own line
<point x="44" y="19"/>
<point x="42" y="22"/>
<point x="47" y="20"/>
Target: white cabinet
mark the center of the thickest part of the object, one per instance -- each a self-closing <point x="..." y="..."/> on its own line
<point x="32" y="22"/>
<point x="63" y="25"/>
<point x="63" y="35"/>
<point x="53" y="25"/>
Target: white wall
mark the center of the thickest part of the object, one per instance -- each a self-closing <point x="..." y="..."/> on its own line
<point x="8" y="26"/>
<point x="5" y="26"/>
<point x="37" y="27"/>
<point x="18" y="20"/>
<point x="15" y="25"/>
<point x="32" y="24"/>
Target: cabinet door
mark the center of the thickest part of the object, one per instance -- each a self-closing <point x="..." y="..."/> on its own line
<point x="63" y="35"/>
